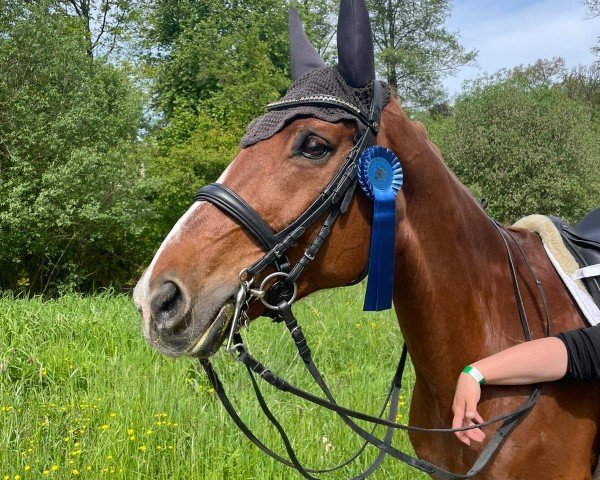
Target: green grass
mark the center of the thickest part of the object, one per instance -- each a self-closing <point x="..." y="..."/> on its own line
<point x="81" y="391"/>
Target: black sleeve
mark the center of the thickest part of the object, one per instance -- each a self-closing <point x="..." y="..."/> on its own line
<point x="583" y="350"/>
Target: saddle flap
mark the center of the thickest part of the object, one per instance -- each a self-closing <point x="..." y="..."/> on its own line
<point x="588" y="228"/>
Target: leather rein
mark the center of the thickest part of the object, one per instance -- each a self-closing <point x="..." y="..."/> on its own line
<point x="278" y="291"/>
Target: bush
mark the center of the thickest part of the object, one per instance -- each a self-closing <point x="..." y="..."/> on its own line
<point x="528" y="149"/>
<point x="72" y="212"/>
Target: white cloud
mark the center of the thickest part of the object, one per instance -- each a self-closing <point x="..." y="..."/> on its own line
<point x="509" y="33"/>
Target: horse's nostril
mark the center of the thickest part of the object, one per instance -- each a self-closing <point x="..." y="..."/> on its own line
<point x="167" y="307"/>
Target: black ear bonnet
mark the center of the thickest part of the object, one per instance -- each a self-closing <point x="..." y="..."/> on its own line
<point x="351" y="80"/>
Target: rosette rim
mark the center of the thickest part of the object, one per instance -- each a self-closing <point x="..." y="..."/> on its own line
<point x="364" y="163"/>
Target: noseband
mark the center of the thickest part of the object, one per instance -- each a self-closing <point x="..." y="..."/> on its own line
<point x="278" y="291"/>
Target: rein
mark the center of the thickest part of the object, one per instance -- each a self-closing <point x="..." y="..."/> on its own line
<point x="278" y="292"/>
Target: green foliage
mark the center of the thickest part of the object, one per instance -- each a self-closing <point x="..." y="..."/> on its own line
<point x="176" y="169"/>
<point x="415" y="51"/>
<point x="528" y="147"/>
<point x="217" y="67"/>
<point x="195" y="40"/>
<point x="71" y="209"/>
<point x="106" y="24"/>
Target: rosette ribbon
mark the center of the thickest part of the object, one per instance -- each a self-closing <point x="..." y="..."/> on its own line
<point x="380" y="176"/>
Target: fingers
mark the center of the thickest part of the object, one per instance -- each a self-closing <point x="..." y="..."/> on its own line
<point x="471" y="408"/>
<point x="458" y="421"/>
<point x="473" y="416"/>
<point x="464" y="418"/>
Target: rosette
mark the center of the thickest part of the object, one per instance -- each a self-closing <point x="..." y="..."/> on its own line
<point x="380" y="177"/>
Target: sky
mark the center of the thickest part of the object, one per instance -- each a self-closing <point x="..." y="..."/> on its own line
<point x="513" y="32"/>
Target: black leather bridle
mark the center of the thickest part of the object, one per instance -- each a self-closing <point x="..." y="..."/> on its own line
<point x="278" y="291"/>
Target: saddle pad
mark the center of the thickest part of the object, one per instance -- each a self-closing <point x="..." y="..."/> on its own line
<point x="564" y="263"/>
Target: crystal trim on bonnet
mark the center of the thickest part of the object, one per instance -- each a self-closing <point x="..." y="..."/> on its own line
<point x="317" y="98"/>
<point x="326" y="100"/>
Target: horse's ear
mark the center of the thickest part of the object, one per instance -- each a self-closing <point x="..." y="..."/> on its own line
<point x="356" y="54"/>
<point x="305" y="57"/>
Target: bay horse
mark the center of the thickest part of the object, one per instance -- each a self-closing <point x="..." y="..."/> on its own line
<point x="453" y="292"/>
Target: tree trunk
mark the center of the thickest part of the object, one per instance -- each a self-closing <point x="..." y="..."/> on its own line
<point x="391" y="65"/>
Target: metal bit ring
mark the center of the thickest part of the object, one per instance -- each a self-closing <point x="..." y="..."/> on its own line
<point x="264" y="283"/>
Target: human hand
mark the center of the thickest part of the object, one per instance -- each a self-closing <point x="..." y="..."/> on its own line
<point x="466" y="397"/>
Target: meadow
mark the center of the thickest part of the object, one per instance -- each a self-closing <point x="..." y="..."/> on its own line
<point x="83" y="396"/>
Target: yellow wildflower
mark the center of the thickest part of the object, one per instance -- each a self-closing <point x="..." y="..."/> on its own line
<point x="132" y="438"/>
<point x="46" y="472"/>
<point x="149" y="432"/>
<point x="109" y="457"/>
<point x="104" y="427"/>
<point x="75" y="471"/>
<point x="54" y="468"/>
<point x="89" y="468"/>
<point x="27" y="468"/>
<point x="130" y="431"/>
<point x="143" y="448"/>
<point x="17" y="477"/>
<point x="112" y="415"/>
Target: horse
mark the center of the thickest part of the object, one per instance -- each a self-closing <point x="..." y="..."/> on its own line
<point x="453" y="291"/>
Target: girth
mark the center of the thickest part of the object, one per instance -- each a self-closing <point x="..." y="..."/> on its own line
<point x="331" y="203"/>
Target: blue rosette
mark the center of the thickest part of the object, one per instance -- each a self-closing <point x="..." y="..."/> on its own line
<point x="380" y="177"/>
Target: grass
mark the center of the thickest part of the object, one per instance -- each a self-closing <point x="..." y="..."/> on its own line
<point x="83" y="396"/>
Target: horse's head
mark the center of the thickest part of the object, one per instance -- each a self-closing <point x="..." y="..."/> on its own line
<point x="288" y="157"/>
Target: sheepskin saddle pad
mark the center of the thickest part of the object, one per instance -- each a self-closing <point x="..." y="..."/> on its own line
<point x="575" y="253"/>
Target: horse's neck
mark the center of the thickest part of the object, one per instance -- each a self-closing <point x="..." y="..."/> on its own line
<point x="447" y="250"/>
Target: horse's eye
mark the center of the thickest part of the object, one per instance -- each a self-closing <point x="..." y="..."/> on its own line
<point x="314" y="147"/>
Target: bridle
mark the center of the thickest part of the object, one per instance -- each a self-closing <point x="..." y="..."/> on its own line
<point x="278" y="292"/>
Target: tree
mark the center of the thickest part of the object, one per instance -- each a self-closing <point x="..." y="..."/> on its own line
<point x="414" y="48"/>
<point x="583" y="83"/>
<point x="217" y="65"/>
<point x="187" y="40"/>
<point x="106" y="22"/>
<point x="594" y="9"/>
<point x="72" y="208"/>
<point x="527" y="148"/>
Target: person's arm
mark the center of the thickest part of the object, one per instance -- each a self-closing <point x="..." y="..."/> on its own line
<point x="537" y="361"/>
<point x="574" y="355"/>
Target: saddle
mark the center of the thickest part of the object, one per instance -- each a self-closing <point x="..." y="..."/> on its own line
<point x="583" y="241"/>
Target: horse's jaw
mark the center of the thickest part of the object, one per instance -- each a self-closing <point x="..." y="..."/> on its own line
<point x="210" y="341"/>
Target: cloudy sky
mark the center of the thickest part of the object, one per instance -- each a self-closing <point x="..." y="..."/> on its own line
<point x="514" y="32"/>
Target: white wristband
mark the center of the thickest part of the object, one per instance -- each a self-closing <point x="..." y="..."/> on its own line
<point x="476" y="374"/>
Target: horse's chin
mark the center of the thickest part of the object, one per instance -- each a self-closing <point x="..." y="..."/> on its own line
<point x="194" y="341"/>
<point x="212" y="338"/>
